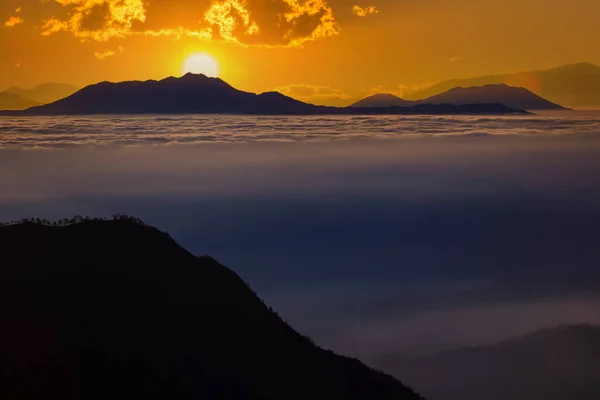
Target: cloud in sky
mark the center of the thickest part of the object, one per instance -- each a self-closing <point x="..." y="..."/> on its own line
<point x="101" y="55"/>
<point x="13" y="21"/>
<point x="364" y="11"/>
<point x="177" y="33"/>
<point x="286" y="23"/>
<point x="104" y="54"/>
<point x="455" y="59"/>
<point x="246" y="22"/>
<point x="98" y="20"/>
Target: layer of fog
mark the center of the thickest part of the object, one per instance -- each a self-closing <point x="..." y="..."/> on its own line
<point x="368" y="246"/>
<point x="60" y="132"/>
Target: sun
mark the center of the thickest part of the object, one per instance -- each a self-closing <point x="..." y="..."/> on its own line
<point x="201" y="64"/>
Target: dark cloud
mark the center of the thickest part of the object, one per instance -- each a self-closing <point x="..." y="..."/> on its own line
<point x="93" y="20"/>
<point x="275" y="23"/>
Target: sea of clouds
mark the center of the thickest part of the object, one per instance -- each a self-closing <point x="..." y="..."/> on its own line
<point x="64" y="131"/>
<point x="486" y="229"/>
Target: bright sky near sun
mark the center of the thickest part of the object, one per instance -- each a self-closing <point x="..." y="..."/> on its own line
<point x="326" y="48"/>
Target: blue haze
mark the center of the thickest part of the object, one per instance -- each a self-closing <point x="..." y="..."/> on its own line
<point x="371" y="234"/>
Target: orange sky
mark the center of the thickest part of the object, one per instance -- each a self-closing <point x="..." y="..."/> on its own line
<point x="318" y="48"/>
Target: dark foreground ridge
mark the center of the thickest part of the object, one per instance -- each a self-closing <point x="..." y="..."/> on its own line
<point x="117" y="310"/>
<point x="198" y="94"/>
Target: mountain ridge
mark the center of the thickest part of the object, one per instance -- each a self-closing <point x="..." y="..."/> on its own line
<point x="198" y="94"/>
<point x="115" y="308"/>
<point x="383" y="100"/>
<point x="574" y="85"/>
<point x="509" y="96"/>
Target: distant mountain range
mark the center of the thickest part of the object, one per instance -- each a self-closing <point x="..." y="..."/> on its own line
<point x="384" y="100"/>
<point x="513" y="97"/>
<point x="552" y="364"/>
<point x="45" y="93"/>
<point x="96" y="310"/>
<point x="198" y="94"/>
<point x="11" y="101"/>
<point x="15" y="98"/>
<point x="573" y="86"/>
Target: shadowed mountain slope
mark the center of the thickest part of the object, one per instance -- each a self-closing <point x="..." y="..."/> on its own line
<point x="116" y="309"/>
<point x="574" y="85"/>
<point x="198" y="94"/>
<point x="552" y="364"/>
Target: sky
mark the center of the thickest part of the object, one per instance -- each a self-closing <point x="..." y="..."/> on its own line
<point x="310" y="49"/>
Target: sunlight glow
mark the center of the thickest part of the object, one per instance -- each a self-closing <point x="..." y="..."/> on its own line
<point x="201" y="64"/>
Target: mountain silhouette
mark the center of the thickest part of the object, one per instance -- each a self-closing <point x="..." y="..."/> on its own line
<point x="98" y="309"/>
<point x="198" y="94"/>
<point x="573" y="85"/>
<point x="44" y="93"/>
<point x="383" y="100"/>
<point x="11" y="101"/>
<point x="551" y="364"/>
<point x="514" y="97"/>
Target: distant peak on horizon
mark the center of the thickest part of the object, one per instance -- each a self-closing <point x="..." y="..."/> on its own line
<point x="41" y="86"/>
<point x="491" y="86"/>
<point x="574" y="85"/>
<point x="384" y="95"/>
<point x="198" y="78"/>
<point x="187" y="77"/>
<point x="583" y="64"/>
<point x="382" y="100"/>
<point x="508" y="95"/>
<point x="40" y="94"/>
<point x="199" y="75"/>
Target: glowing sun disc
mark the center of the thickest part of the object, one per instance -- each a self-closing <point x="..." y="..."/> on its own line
<point x="201" y="64"/>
